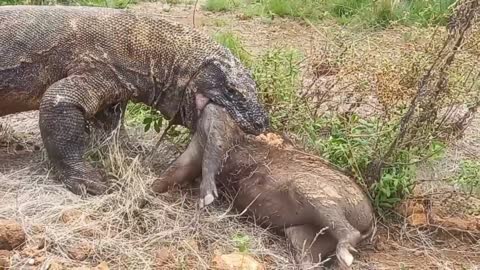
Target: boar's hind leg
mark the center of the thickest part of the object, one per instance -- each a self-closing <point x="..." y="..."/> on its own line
<point x="310" y="255"/>
<point x="184" y="169"/>
<point x="347" y="236"/>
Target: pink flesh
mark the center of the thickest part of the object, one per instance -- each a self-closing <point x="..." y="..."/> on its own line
<point x="200" y="102"/>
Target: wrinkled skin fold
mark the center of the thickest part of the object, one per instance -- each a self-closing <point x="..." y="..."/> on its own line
<point x="294" y="193"/>
<point x="74" y="64"/>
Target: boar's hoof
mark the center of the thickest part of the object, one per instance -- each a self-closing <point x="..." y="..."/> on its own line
<point x="344" y="256"/>
<point x="208" y="199"/>
<point x="208" y="192"/>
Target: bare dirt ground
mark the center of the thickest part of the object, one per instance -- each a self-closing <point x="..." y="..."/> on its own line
<point x="65" y="231"/>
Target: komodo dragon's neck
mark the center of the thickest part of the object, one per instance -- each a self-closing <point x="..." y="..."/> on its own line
<point x="170" y="91"/>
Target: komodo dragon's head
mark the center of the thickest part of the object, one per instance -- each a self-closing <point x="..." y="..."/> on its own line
<point x="227" y="83"/>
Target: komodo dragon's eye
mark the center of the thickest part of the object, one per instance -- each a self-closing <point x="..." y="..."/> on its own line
<point x="230" y="89"/>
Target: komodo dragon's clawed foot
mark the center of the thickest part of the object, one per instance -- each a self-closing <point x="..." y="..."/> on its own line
<point x="93" y="182"/>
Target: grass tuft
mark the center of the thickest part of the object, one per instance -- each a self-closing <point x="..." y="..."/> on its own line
<point x="469" y="176"/>
<point x="379" y="13"/>
<point x="221" y="5"/>
<point x="235" y="45"/>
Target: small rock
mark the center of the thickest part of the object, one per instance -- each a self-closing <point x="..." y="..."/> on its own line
<point x="73" y="216"/>
<point x="36" y="256"/>
<point x="5" y="256"/>
<point x="11" y="234"/>
<point x="193" y="245"/>
<point x="166" y="7"/>
<point x="236" y="261"/>
<point x="80" y="252"/>
<point x="55" y="266"/>
<point x="415" y="212"/>
<point x="76" y="217"/>
<point x="163" y="257"/>
<point x="102" y="266"/>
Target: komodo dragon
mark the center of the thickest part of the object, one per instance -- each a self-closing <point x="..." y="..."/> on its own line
<point x="292" y="192"/>
<point x="75" y="63"/>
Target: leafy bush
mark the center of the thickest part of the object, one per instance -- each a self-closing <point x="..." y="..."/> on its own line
<point x="235" y="45"/>
<point x="221" y="5"/>
<point x="277" y="74"/>
<point x="364" y="12"/>
<point x="351" y="142"/>
<point x="140" y="114"/>
<point x="469" y="175"/>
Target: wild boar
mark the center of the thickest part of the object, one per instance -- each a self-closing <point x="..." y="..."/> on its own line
<point x="292" y="192"/>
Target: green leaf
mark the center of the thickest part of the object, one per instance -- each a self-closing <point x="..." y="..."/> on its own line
<point x="147" y="120"/>
<point x="147" y="127"/>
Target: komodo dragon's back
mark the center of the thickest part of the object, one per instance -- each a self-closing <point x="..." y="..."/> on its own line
<point x="42" y="44"/>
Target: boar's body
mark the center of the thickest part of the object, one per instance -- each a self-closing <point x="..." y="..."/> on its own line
<point x="295" y="193"/>
<point x="269" y="179"/>
<point x="298" y="194"/>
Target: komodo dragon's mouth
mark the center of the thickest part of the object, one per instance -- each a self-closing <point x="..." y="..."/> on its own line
<point x="250" y="117"/>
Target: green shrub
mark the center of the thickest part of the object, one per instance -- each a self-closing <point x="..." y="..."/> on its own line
<point x="311" y="9"/>
<point x="428" y="12"/>
<point x="384" y="12"/>
<point x="469" y="175"/>
<point x="346" y="8"/>
<point x="363" y="12"/>
<point x="242" y="242"/>
<point x="138" y="114"/>
<point x="277" y="74"/>
<point x="221" y="5"/>
<point x="351" y="142"/>
<point x="235" y="45"/>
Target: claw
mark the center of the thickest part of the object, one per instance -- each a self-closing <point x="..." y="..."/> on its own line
<point x="93" y="183"/>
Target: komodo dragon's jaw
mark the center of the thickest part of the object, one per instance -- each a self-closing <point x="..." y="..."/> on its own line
<point x="230" y="85"/>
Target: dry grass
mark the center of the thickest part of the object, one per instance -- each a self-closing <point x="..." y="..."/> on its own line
<point x="168" y="232"/>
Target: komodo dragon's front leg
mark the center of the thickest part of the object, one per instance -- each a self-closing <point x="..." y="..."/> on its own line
<point x="64" y="109"/>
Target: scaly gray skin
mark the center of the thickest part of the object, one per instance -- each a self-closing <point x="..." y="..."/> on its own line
<point x="289" y="191"/>
<point x="75" y="63"/>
